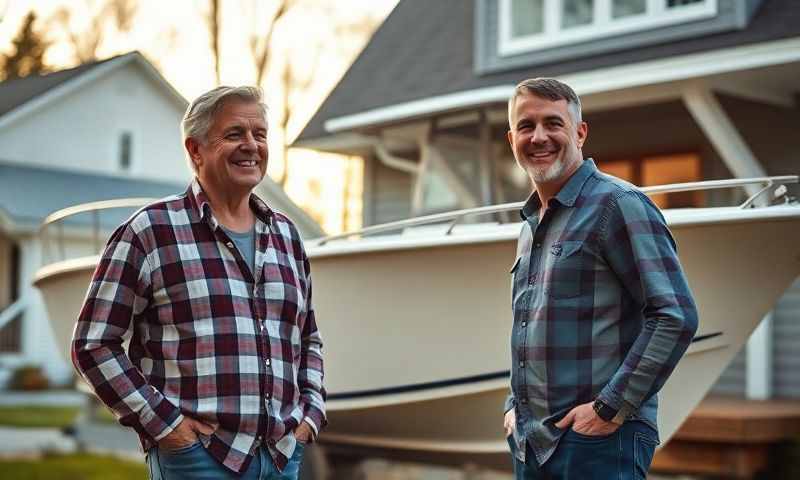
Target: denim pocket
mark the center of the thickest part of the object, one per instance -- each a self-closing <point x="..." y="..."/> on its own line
<point x="181" y="450"/>
<point x="580" y="437"/>
<point x="644" y="446"/>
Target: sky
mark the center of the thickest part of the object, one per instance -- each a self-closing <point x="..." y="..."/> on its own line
<point x="174" y="36"/>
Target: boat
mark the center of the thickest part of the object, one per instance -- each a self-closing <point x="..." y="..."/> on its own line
<point x="416" y="316"/>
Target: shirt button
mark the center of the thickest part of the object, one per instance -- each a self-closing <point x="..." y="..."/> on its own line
<point x="524" y="401"/>
<point x="229" y="244"/>
<point x="266" y="361"/>
<point x="522" y="363"/>
<point x="538" y="245"/>
<point x="524" y="323"/>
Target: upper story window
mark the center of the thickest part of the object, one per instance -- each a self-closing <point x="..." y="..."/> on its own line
<point x="125" y="151"/>
<point x="529" y="25"/>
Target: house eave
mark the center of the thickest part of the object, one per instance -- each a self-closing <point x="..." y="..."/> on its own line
<point x="585" y="83"/>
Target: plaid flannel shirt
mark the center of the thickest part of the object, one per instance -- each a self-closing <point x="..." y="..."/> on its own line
<point x="601" y="307"/>
<point x="206" y="338"/>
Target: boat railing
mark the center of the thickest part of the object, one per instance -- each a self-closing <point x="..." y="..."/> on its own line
<point x="57" y="220"/>
<point x="776" y="185"/>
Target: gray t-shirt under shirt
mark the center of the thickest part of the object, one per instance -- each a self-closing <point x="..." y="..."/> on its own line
<point x="246" y="243"/>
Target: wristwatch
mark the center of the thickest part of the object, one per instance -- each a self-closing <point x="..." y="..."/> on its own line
<point x="604" y="411"/>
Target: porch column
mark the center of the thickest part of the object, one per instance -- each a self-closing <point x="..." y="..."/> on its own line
<point x="485" y="160"/>
<point x="722" y="133"/>
<point x="759" y="361"/>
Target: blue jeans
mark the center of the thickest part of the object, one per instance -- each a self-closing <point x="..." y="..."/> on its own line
<point x="194" y="463"/>
<point x="624" y="455"/>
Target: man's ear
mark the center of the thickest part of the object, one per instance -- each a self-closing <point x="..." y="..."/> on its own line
<point x="510" y="137"/>
<point x="192" y="147"/>
<point x="583" y="132"/>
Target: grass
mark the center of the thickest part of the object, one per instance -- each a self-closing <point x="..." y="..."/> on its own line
<point x="73" y="467"/>
<point x="38" y="417"/>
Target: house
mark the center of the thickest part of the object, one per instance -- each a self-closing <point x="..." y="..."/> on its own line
<point x="672" y="90"/>
<point x="104" y="130"/>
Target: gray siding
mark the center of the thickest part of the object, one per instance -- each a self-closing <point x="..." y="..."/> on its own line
<point x="389" y="193"/>
<point x="733" y="380"/>
<point x="786" y="344"/>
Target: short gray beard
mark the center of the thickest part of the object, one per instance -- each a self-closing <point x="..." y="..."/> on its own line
<point x="548" y="174"/>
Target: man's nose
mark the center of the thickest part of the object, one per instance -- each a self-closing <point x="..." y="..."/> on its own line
<point x="539" y="135"/>
<point x="249" y="143"/>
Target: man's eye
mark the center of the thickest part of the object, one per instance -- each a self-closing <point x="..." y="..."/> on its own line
<point x="232" y="136"/>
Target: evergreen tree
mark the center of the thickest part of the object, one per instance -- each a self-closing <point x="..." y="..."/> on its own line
<point x="27" y="56"/>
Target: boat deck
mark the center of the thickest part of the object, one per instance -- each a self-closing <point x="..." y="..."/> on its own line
<point x="729" y="437"/>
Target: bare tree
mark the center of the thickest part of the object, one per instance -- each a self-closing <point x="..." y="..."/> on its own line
<point x="214" y="31"/>
<point x="28" y="55"/>
<point x="86" y="42"/>
<point x="293" y="84"/>
<point x="261" y="45"/>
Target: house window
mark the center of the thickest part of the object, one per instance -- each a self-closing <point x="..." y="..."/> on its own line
<point x="125" y="151"/>
<point x="661" y="170"/>
<point x="529" y="25"/>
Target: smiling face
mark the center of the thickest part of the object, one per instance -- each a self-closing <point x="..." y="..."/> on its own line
<point x="233" y="157"/>
<point x="546" y="139"/>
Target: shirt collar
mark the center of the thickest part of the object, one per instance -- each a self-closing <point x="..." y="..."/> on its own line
<point x="204" y="210"/>
<point x="568" y="194"/>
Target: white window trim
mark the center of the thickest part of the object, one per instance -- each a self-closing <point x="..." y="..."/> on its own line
<point x="603" y="26"/>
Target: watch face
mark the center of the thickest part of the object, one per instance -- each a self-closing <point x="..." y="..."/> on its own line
<point x="603" y="411"/>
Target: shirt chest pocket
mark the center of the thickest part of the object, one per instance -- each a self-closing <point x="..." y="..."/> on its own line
<point x="568" y="271"/>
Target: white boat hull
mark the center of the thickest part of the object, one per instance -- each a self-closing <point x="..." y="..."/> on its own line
<point x="416" y="327"/>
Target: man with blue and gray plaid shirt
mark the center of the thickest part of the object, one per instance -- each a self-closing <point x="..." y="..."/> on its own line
<point x="602" y="310"/>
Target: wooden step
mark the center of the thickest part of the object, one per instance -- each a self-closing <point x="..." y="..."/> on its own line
<point x="729" y="437"/>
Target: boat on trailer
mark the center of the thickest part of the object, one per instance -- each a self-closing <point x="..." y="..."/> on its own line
<point x="416" y="323"/>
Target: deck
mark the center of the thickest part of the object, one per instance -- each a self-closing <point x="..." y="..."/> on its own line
<point x="729" y="437"/>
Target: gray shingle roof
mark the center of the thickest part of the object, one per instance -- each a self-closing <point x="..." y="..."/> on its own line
<point x="28" y="194"/>
<point x="424" y="49"/>
<point x="14" y="93"/>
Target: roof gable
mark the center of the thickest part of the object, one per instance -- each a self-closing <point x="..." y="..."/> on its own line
<point x="23" y="96"/>
<point x="438" y="58"/>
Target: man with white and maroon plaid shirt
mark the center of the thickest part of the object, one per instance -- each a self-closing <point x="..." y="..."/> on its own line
<point x="223" y="375"/>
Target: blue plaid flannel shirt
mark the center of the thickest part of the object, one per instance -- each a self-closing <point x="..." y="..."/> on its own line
<point x="601" y="307"/>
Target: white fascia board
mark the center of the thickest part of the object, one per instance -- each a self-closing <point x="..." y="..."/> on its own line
<point x="678" y="68"/>
<point x="85" y="78"/>
<point x="425" y="106"/>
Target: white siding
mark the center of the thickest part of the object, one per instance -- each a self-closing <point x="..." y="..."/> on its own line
<point x="81" y="131"/>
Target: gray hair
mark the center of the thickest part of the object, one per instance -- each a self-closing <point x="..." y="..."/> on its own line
<point x="550" y="89"/>
<point x="200" y="114"/>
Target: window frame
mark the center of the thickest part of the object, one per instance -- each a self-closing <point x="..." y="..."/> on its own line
<point x="656" y="15"/>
